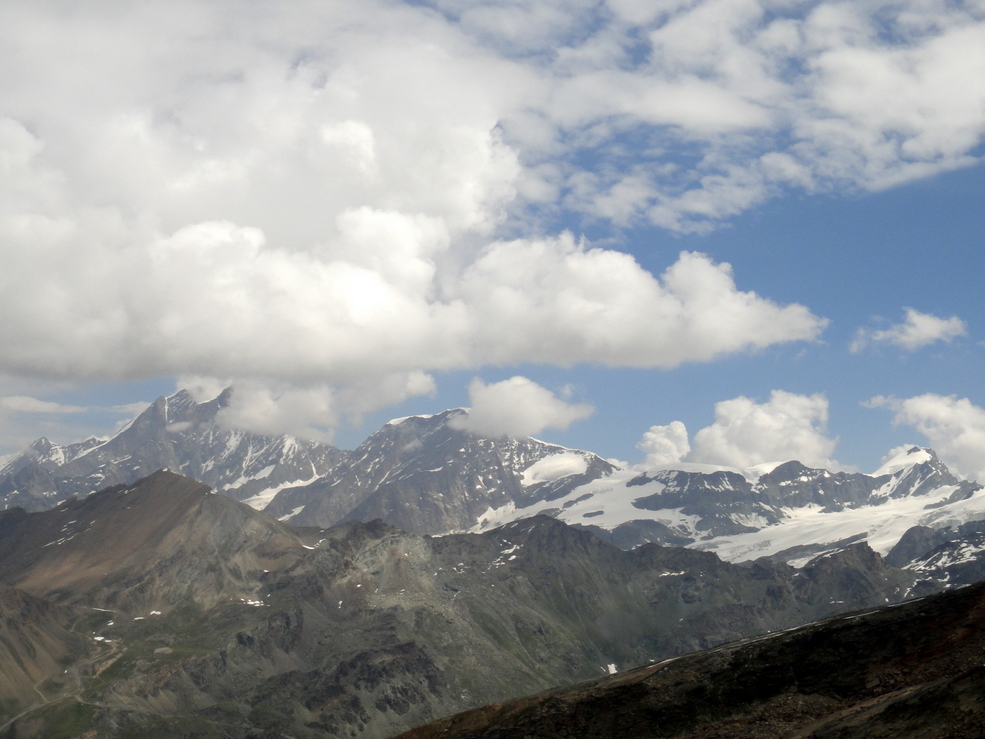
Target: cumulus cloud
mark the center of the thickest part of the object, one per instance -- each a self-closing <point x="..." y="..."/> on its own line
<point x="665" y="444"/>
<point x="820" y="96"/>
<point x="954" y="427"/>
<point x="558" y="301"/>
<point x="787" y="426"/>
<point x="917" y="331"/>
<point x="746" y="433"/>
<point x="216" y="300"/>
<point x="517" y="407"/>
<point x="278" y="113"/>
<point x="314" y="410"/>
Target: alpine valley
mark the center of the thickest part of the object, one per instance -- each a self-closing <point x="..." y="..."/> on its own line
<point x="325" y="593"/>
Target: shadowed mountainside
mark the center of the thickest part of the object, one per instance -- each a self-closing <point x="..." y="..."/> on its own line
<point x="913" y="670"/>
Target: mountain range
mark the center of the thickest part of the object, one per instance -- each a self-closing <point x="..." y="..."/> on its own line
<point x="427" y="572"/>
<point x="425" y="475"/>
<point x="162" y="609"/>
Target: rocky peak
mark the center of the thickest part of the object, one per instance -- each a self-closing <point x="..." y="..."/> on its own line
<point x="173" y="432"/>
<point x="423" y="474"/>
<point x="905" y="460"/>
<point x="42" y="446"/>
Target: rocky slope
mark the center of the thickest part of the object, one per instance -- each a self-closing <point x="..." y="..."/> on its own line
<point x="173" y="433"/>
<point x="144" y="546"/>
<point x="35" y="645"/>
<point x="909" y="670"/>
<point x="220" y="620"/>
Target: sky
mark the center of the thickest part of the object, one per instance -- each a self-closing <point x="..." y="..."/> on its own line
<point x="720" y="231"/>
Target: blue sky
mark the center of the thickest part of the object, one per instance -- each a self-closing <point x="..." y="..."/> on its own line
<point x="856" y="259"/>
<point x="724" y="231"/>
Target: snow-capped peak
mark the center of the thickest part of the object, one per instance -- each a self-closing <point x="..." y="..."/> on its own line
<point x="425" y="416"/>
<point x="906" y="458"/>
<point x="751" y="474"/>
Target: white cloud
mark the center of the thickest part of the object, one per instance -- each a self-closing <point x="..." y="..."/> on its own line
<point x="786" y="427"/>
<point x="556" y="301"/>
<point x="954" y="427"/>
<point x="24" y="416"/>
<point x="288" y="115"/>
<point x="26" y="404"/>
<point x="202" y="389"/>
<point x="517" y="407"/>
<point x="314" y="410"/>
<point x="261" y="409"/>
<point x="917" y="331"/>
<point x="216" y="300"/>
<point x="192" y="190"/>
<point x="665" y="444"/>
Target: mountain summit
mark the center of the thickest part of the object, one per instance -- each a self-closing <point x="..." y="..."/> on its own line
<point x="173" y="433"/>
<point x="157" y="542"/>
<point x="424" y="475"/>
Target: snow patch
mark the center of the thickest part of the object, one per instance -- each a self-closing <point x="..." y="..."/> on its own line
<point x="262" y="499"/>
<point x="554" y="467"/>
<point x="292" y="514"/>
<point x="398" y="421"/>
<point x="882" y="525"/>
<point x="752" y="474"/>
<point x="904" y="460"/>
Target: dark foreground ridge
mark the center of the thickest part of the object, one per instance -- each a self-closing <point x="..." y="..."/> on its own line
<point x="913" y="670"/>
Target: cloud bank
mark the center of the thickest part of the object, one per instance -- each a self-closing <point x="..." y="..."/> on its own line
<point x="277" y="195"/>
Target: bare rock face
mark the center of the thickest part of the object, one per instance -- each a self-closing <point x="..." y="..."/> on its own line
<point x="731" y="513"/>
<point x="419" y="473"/>
<point x="426" y="475"/>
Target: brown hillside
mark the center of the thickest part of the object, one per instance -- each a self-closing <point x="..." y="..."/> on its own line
<point x="142" y="546"/>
